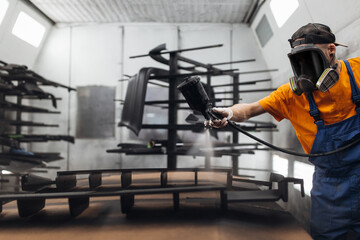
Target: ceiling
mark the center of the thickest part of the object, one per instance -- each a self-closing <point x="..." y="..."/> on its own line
<point x="132" y="11"/>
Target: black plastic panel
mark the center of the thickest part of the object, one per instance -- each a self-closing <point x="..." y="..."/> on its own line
<point x="132" y="114"/>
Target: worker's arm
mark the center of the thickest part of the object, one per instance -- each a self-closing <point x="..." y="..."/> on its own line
<point x="240" y="112"/>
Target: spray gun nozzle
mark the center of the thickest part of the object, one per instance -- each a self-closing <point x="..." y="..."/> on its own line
<point x="208" y="124"/>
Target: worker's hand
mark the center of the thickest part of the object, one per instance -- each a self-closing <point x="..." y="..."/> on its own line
<point x="227" y="114"/>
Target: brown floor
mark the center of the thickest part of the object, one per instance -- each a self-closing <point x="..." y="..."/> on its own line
<point x="153" y="217"/>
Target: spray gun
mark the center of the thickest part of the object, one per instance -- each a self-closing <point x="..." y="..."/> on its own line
<point x="197" y="98"/>
<point x="195" y="95"/>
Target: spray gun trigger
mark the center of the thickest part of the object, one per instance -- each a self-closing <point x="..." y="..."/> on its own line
<point x="215" y="115"/>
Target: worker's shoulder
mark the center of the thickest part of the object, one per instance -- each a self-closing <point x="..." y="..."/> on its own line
<point x="284" y="89"/>
<point x="282" y="92"/>
<point x="354" y="61"/>
<point x="355" y="67"/>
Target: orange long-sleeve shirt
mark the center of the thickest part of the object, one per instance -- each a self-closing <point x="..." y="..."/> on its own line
<point x="334" y="105"/>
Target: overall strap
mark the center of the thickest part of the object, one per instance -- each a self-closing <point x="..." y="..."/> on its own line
<point x="355" y="93"/>
<point x="314" y="111"/>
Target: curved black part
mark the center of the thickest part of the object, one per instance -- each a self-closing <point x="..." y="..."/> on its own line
<point x="32" y="88"/>
<point x="155" y="54"/>
<point x="24" y="108"/>
<point x="38" y="138"/>
<point x="22" y="73"/>
<point x="133" y="110"/>
<point x="31" y="182"/>
<point x="131" y="145"/>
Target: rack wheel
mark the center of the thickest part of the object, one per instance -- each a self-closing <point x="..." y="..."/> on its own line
<point x="94" y="180"/>
<point x="65" y="182"/>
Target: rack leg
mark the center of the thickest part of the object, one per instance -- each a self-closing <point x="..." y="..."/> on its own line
<point x="126" y="179"/>
<point x="229" y="180"/>
<point x="29" y="207"/>
<point x="223" y="200"/>
<point x="78" y="205"/>
<point x="127" y="202"/>
<point x="163" y="179"/>
<point x="176" y="200"/>
<point x="196" y="177"/>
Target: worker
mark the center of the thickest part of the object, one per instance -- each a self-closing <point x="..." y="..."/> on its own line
<point x="322" y="102"/>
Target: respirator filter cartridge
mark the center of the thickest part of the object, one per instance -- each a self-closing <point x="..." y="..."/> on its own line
<point x="327" y="79"/>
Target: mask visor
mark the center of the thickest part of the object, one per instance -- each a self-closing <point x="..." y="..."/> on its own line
<point x="308" y="60"/>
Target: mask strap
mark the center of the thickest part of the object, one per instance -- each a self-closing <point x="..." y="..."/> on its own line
<point x="332" y="61"/>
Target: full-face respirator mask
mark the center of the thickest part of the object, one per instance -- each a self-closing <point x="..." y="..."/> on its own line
<point x="311" y="69"/>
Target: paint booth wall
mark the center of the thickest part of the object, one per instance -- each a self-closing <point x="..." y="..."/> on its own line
<point x="97" y="56"/>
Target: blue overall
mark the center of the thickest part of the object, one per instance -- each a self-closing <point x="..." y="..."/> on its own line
<point x="336" y="182"/>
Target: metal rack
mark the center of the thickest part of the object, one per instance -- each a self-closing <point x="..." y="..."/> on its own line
<point x="172" y="78"/>
<point x="20" y="83"/>
<point x="36" y="189"/>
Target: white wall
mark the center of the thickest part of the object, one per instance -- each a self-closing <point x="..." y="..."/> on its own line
<point x="13" y="49"/>
<point x="81" y="56"/>
<point x="56" y="66"/>
<point x="99" y="54"/>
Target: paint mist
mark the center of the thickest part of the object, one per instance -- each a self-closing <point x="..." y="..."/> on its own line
<point x="208" y="149"/>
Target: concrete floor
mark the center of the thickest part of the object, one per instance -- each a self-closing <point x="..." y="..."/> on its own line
<point x="153" y="217"/>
